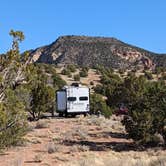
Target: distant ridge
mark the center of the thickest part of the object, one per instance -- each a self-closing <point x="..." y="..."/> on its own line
<point x="93" y="51"/>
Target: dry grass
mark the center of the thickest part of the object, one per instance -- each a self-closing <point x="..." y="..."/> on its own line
<point x="77" y="133"/>
<point x="52" y="147"/>
<point x="38" y="158"/>
<point x="42" y="124"/>
<point x="81" y="142"/>
<point x="79" y="148"/>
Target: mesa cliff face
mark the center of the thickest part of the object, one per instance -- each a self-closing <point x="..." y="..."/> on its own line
<point x="93" y="51"/>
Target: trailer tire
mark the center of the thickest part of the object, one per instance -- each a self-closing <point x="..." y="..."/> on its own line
<point x="85" y="114"/>
<point x="73" y="115"/>
<point x="61" y="114"/>
<point x="66" y="114"/>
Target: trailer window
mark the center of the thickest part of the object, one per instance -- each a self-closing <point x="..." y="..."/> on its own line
<point x="71" y="98"/>
<point x="83" y="98"/>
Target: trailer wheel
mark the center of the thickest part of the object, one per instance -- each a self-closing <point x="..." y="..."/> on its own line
<point x="66" y="114"/>
<point x="73" y="115"/>
<point x="85" y="114"/>
<point x="61" y="114"/>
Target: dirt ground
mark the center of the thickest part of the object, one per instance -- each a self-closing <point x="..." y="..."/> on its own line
<point x="80" y="141"/>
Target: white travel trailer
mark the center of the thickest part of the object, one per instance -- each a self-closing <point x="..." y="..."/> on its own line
<point x="72" y="100"/>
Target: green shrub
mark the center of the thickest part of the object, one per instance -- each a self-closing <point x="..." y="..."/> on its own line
<point x="148" y="75"/>
<point x="99" y="89"/>
<point x="98" y="105"/>
<point x="163" y="77"/>
<point x="65" y="72"/>
<point x="69" y="75"/>
<point x="77" y="77"/>
<point x="58" y="82"/>
<point x="83" y="73"/>
<point x="13" y="123"/>
<point x="122" y="71"/>
<point x="147" y="116"/>
<point x="71" y="68"/>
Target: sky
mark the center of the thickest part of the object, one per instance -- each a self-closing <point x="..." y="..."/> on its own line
<point x="137" y="22"/>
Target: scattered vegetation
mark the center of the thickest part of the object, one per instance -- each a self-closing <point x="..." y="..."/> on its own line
<point x="84" y="72"/>
<point x="38" y="158"/>
<point x="77" y="77"/>
<point x="145" y="100"/>
<point x="98" y="106"/>
<point x="41" y="124"/>
<point x="65" y="72"/>
<point x="71" y="68"/>
<point x="12" y="111"/>
<point x="148" y="75"/>
<point x="68" y="70"/>
<point x="52" y="148"/>
<point x="25" y="90"/>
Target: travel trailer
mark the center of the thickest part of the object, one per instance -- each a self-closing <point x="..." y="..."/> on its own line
<point x="72" y="100"/>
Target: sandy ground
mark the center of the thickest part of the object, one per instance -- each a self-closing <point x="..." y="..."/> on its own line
<point x="79" y="142"/>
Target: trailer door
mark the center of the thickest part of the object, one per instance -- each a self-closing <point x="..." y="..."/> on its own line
<point x="61" y="100"/>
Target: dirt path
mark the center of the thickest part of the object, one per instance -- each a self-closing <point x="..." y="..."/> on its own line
<point x="77" y="141"/>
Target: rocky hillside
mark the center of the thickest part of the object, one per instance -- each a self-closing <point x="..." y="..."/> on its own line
<point x="92" y="51"/>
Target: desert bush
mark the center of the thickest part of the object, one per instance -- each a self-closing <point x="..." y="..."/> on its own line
<point x="160" y="161"/>
<point x="52" y="147"/>
<point x="69" y="75"/>
<point x="71" y="68"/>
<point x="58" y="82"/>
<point x="159" y="70"/>
<point x="77" y="77"/>
<point x="75" y="133"/>
<point x="127" y="91"/>
<point x="65" y="72"/>
<point x="122" y="71"/>
<point x="148" y="75"/>
<point x="147" y="115"/>
<point x="84" y="72"/>
<point x="163" y="76"/>
<point x="41" y="124"/>
<point x="99" y="106"/>
<point x="38" y="158"/>
<point x="79" y="148"/>
<point x="99" y="89"/>
<point x="13" y="123"/>
<point x="42" y="99"/>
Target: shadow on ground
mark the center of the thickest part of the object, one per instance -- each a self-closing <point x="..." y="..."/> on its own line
<point x="104" y="146"/>
<point x="110" y="134"/>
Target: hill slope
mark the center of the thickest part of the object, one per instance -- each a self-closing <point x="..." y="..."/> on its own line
<point x="92" y="51"/>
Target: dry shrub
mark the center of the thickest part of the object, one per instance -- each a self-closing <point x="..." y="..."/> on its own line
<point x="38" y="158"/>
<point x="42" y="124"/>
<point x="95" y="120"/>
<point x="35" y="140"/>
<point x="30" y="127"/>
<point x="75" y="133"/>
<point x="160" y="161"/>
<point x="88" y="160"/>
<point x="52" y="147"/>
<point x="104" y="123"/>
<point x="79" y="148"/>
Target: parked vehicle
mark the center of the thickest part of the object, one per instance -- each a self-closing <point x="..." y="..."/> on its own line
<point x="73" y="100"/>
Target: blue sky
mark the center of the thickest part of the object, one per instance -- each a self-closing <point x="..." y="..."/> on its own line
<point x="138" y="22"/>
